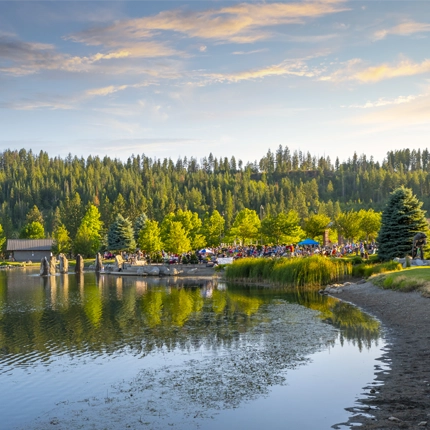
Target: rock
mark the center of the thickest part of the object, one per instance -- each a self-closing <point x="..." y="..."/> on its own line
<point x="64" y="264"/>
<point x="155" y="271"/>
<point x="422" y="424"/>
<point x="52" y="265"/>
<point x="176" y="272"/>
<point x="361" y="281"/>
<point x="164" y="271"/>
<point x="119" y="264"/>
<point x="79" y="268"/>
<point x="419" y="262"/>
<point x="44" y="267"/>
<point x="99" y="263"/>
<point x="192" y="270"/>
<point x="397" y="420"/>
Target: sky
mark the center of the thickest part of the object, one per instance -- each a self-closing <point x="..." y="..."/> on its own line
<point x="173" y="79"/>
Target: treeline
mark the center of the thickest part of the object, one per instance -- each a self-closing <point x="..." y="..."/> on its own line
<point x="280" y="181"/>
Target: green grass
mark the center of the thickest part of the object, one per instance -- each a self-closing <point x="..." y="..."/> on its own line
<point x="411" y="279"/>
<point x="367" y="269"/>
<point x="305" y="273"/>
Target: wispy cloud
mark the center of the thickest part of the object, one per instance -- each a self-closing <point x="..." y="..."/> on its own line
<point x="354" y="70"/>
<point x="382" y="102"/>
<point x="412" y="113"/>
<point x="242" y="23"/>
<point x="22" y="58"/>
<point x="403" y="29"/>
<point x="296" y="67"/>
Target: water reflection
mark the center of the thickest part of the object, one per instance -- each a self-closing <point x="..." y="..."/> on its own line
<point x="88" y="313"/>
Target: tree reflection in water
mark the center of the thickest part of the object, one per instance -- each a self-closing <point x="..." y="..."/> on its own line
<point x="68" y="314"/>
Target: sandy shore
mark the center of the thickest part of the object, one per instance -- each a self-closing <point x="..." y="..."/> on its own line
<point x="403" y="398"/>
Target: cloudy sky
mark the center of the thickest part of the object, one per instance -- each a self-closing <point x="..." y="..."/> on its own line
<point x="173" y="78"/>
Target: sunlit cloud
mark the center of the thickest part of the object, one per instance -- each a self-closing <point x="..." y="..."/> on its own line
<point x="242" y="23"/>
<point x="381" y="102"/>
<point x="20" y="58"/>
<point x="353" y="70"/>
<point x="414" y="112"/>
<point x="404" y="29"/>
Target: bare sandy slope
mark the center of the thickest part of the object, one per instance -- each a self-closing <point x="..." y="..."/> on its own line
<point x="403" y="398"/>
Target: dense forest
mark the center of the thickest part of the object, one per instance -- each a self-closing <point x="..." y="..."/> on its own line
<point x="280" y="181"/>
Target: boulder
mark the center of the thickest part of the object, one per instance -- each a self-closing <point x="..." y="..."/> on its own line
<point x="164" y="271"/>
<point x="154" y="271"/>
<point x="79" y="268"/>
<point x="119" y="264"/>
<point x="52" y="265"/>
<point x="44" y="267"/>
<point x="99" y="263"/>
<point x="64" y="263"/>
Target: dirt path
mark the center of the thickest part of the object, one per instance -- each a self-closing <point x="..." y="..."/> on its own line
<point x="403" y="399"/>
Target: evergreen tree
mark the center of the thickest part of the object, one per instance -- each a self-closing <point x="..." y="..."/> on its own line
<point x="139" y="224"/>
<point x="402" y="219"/>
<point x="121" y="235"/>
<point x="34" y="215"/>
<point x="2" y="239"/>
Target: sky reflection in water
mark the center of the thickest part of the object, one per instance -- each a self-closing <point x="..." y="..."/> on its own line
<point x="102" y="349"/>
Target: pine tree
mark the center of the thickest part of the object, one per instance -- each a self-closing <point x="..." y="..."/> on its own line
<point x="139" y="224"/>
<point x="121" y="235"/>
<point x="402" y="219"/>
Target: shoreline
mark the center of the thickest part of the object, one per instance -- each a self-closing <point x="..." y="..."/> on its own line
<point x="400" y="397"/>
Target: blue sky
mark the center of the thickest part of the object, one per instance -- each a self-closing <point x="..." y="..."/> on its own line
<point x="174" y="78"/>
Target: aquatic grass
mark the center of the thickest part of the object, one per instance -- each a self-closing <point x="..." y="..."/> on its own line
<point x="306" y="273"/>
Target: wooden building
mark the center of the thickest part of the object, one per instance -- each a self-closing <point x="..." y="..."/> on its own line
<point x="29" y="249"/>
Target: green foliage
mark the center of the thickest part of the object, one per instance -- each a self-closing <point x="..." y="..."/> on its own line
<point x="33" y="230"/>
<point x="348" y="224"/>
<point x="34" y="215"/>
<point x="138" y="225"/>
<point x="175" y="238"/>
<point x="366" y="270"/>
<point x="370" y="223"/>
<point x="2" y="238"/>
<point x="315" y="225"/>
<point x="121" y="235"/>
<point x="149" y="238"/>
<point x="246" y="226"/>
<point x="213" y="228"/>
<point x="306" y="273"/>
<point x="88" y="238"/>
<point x="62" y="242"/>
<point x="282" y="228"/>
<point x="289" y="181"/>
<point x="402" y="219"/>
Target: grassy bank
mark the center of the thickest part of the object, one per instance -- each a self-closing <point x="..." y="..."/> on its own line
<point x="307" y="273"/>
<point x="411" y="279"/>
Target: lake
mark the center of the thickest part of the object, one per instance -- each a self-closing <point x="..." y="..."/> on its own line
<point x="107" y="352"/>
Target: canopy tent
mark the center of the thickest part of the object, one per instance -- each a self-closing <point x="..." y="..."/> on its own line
<point x="308" y="242"/>
<point x="206" y="251"/>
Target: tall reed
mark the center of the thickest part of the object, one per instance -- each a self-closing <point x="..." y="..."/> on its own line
<point x="307" y="272"/>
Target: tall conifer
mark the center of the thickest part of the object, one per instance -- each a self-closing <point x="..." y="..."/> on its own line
<point x="402" y="219"/>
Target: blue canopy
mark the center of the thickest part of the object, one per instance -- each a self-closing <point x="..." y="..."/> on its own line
<point x="308" y="242"/>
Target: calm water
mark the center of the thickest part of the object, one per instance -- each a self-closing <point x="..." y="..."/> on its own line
<point x="112" y="352"/>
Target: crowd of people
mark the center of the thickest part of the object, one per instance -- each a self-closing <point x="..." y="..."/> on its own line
<point x="362" y="249"/>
